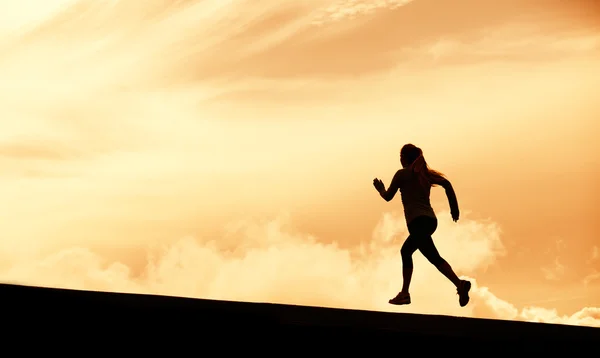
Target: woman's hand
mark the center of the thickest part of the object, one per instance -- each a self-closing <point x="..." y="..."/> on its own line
<point x="378" y="184"/>
<point x="455" y="215"/>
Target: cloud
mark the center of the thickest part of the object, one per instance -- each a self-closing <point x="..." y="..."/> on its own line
<point x="271" y="261"/>
<point x="35" y="150"/>
<point x="554" y="272"/>
<point x="349" y="9"/>
<point x="123" y="46"/>
<point x="508" y="43"/>
<point x="592" y="278"/>
<point x="486" y="304"/>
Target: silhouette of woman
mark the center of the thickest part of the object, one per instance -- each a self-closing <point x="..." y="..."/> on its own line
<point x="414" y="181"/>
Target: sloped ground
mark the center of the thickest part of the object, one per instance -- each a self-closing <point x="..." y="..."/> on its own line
<point x="60" y="320"/>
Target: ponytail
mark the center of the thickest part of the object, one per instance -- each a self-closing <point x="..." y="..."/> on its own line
<point x="427" y="177"/>
<point x="419" y="167"/>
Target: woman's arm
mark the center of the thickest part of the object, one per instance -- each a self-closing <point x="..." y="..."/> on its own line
<point x="445" y="183"/>
<point x="388" y="194"/>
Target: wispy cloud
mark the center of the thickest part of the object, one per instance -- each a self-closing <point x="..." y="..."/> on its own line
<point x="592" y="278"/>
<point x="350" y="9"/>
<point x="554" y="272"/>
<point x="595" y="253"/>
<point x="513" y="43"/>
<point x="35" y="150"/>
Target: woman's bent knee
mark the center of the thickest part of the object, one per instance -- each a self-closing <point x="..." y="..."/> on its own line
<point x="406" y="253"/>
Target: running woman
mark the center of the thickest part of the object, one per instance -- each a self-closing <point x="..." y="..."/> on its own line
<point x="414" y="181"/>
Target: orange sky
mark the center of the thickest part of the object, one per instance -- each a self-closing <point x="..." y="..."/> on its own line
<point x="232" y="145"/>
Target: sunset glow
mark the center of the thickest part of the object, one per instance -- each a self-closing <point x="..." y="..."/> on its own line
<point x="226" y="149"/>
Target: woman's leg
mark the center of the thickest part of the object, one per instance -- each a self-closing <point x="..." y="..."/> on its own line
<point x="408" y="249"/>
<point x="424" y="227"/>
<point x="428" y="249"/>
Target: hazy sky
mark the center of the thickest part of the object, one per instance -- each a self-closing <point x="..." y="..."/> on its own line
<point x="226" y="149"/>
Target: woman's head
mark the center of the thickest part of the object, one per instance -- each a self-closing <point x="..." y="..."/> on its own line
<point x="408" y="154"/>
<point x="412" y="157"/>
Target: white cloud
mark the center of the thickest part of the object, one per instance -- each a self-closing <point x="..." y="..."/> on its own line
<point x="486" y="304"/>
<point x="271" y="262"/>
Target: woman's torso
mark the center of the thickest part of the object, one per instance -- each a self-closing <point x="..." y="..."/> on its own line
<point x="415" y="198"/>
